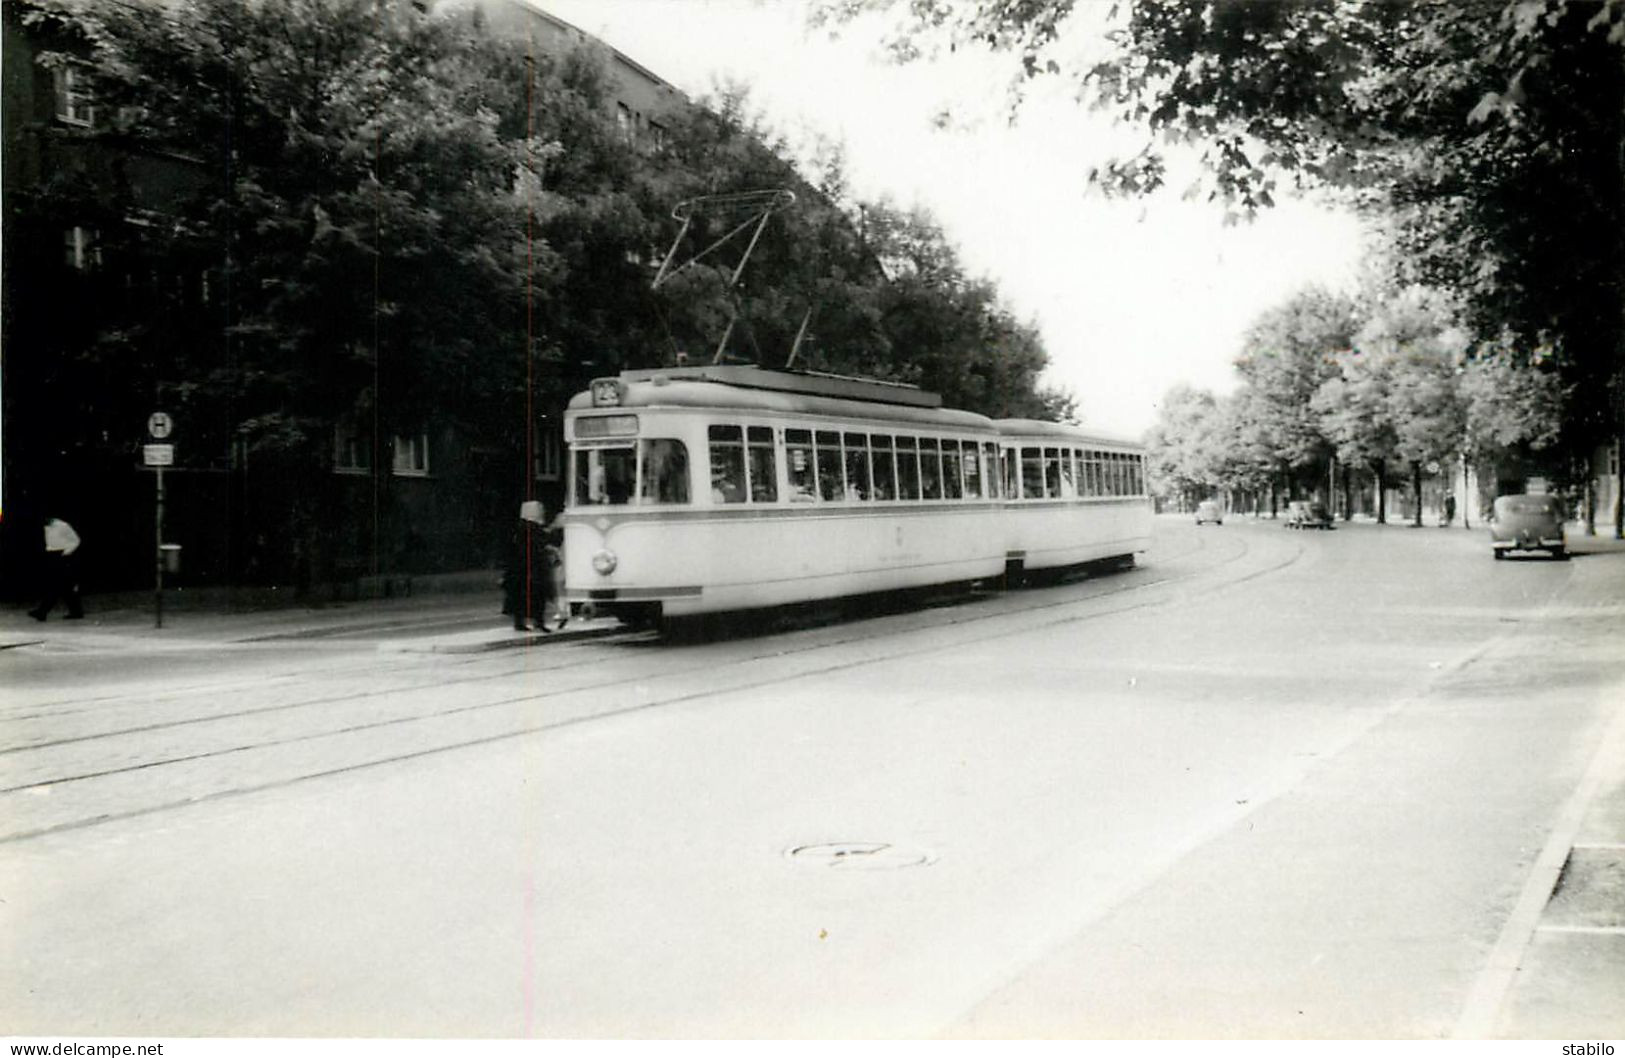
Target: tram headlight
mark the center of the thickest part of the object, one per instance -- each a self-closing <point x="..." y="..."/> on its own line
<point x="604" y="562"/>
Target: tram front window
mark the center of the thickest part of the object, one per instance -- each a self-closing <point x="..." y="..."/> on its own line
<point x="605" y="475"/>
<point x="665" y="472"/>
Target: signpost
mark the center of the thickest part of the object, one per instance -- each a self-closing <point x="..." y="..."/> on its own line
<point x="158" y="456"/>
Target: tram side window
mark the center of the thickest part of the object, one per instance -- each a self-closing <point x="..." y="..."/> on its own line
<point x="764" y="471"/>
<point x="953" y="484"/>
<point x="930" y="469"/>
<point x="1095" y="487"/>
<point x="830" y="485"/>
<point x="1052" y="471"/>
<point x="1139" y="475"/>
<point x="665" y="471"/>
<point x="908" y="468"/>
<point x="1032" y="473"/>
<point x="605" y="475"/>
<point x="1008" y="467"/>
<point x="973" y="470"/>
<point x="1116" y="467"/>
<point x="995" y="488"/>
<point x="1068" y="487"/>
<point x="857" y="466"/>
<point x="885" y="480"/>
<point x="727" y="464"/>
<point x="800" y="468"/>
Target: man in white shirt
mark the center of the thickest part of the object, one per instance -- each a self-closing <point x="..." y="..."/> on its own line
<point x="61" y="571"/>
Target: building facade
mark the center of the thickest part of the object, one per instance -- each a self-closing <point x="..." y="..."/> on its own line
<point x="82" y="211"/>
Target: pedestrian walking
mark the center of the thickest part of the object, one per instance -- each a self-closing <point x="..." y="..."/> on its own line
<point x="61" y="571"/>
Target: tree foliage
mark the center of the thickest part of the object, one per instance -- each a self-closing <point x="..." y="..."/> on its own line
<point x="1489" y="134"/>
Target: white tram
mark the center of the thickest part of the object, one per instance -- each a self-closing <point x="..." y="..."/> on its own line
<point x="703" y="489"/>
<point x="1072" y="496"/>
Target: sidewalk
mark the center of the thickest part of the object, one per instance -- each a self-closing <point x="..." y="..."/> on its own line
<point x="450" y="613"/>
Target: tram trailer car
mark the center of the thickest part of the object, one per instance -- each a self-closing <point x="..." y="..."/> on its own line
<point x="1072" y="497"/>
<point x="698" y="490"/>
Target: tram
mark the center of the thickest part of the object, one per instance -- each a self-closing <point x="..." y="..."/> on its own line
<point x="697" y="490"/>
<point x="1072" y="497"/>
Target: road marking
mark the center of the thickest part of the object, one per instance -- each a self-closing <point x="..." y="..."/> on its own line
<point x="1614" y="931"/>
<point x="1489" y="991"/>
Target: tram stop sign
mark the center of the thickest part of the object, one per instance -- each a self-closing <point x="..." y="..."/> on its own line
<point x="159" y="425"/>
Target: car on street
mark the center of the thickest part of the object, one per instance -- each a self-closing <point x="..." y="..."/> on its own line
<point x="1525" y="522"/>
<point x="1208" y="511"/>
<point x="1310" y="514"/>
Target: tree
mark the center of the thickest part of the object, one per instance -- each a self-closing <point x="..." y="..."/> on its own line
<point x="1288" y="353"/>
<point x="1353" y="408"/>
<point x="354" y="195"/>
<point x="1179" y="445"/>
<point x="1491" y="132"/>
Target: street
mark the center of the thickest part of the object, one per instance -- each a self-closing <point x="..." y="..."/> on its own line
<point x="1267" y="784"/>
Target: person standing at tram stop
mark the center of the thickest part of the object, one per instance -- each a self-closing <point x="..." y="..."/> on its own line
<point x="61" y="571"/>
<point x="531" y="585"/>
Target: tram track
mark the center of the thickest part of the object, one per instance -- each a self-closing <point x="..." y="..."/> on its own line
<point x="135" y="775"/>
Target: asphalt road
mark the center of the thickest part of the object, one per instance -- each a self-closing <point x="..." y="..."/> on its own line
<point x="1269" y="784"/>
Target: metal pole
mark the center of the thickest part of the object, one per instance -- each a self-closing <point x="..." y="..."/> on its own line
<point x="158" y="552"/>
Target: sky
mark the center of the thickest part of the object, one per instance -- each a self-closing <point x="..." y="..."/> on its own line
<point x="1130" y="297"/>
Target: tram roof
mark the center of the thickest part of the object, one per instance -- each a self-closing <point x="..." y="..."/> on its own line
<point x="659" y="390"/>
<point x="806" y="383"/>
<point x="1060" y="431"/>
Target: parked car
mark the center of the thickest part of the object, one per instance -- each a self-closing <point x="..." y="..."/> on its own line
<point x="1525" y="522"/>
<point x="1208" y="511"/>
<point x="1311" y="514"/>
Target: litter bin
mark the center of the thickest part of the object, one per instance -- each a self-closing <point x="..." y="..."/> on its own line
<point x="170" y="556"/>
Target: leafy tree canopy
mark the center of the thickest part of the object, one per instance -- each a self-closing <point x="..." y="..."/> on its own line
<point x="1489" y="131"/>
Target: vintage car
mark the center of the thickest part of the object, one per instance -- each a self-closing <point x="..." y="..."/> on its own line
<point x="1308" y="515"/>
<point x="1525" y="522"/>
<point x="1208" y="511"/>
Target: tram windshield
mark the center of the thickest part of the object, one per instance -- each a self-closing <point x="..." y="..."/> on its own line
<point x="609" y="475"/>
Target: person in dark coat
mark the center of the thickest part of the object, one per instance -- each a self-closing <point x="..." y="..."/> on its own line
<point x="530" y="582"/>
<point x="61" y="571"/>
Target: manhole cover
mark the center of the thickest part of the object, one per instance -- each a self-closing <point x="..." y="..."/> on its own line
<point x="861" y="856"/>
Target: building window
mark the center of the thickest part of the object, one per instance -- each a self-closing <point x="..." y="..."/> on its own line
<point x="625" y="122"/>
<point x="412" y="455"/>
<point x="81" y="250"/>
<point x="352" y="453"/>
<point x="73" y="104"/>
<point x="657" y="135"/>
